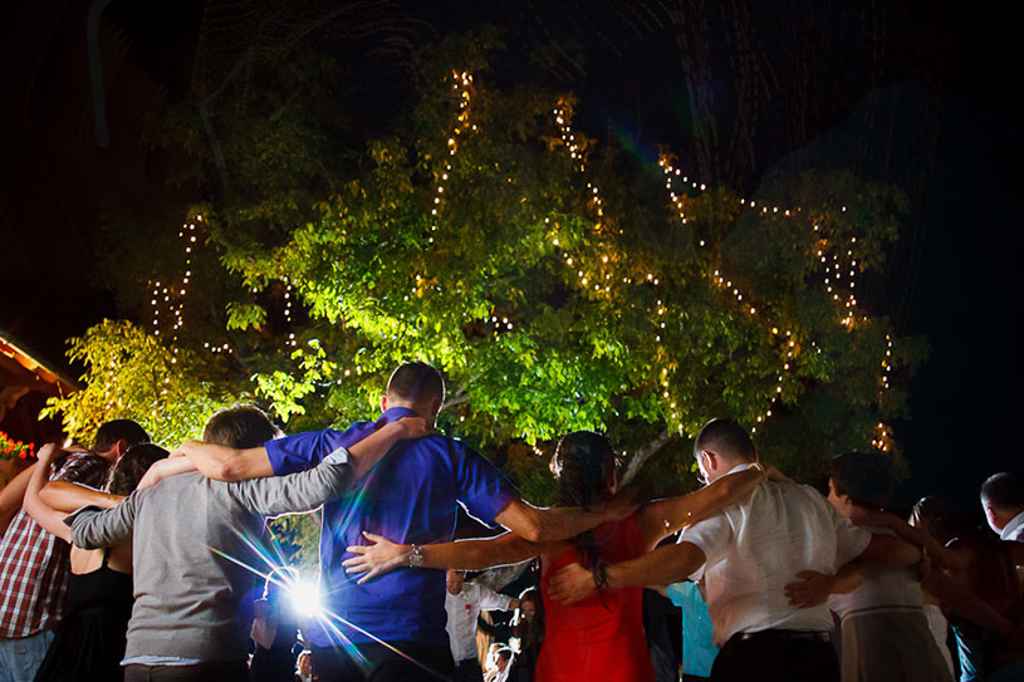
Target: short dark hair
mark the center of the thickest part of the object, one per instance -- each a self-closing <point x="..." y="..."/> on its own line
<point x="119" y="429"/>
<point x="416" y="382"/>
<point x="241" y="426"/>
<point x="727" y="437"/>
<point x="866" y="478"/>
<point x="133" y="465"/>
<point x="1003" y="491"/>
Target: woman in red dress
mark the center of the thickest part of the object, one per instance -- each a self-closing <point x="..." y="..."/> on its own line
<point x="600" y="638"/>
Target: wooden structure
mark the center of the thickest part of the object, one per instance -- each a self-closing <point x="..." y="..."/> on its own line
<point x="26" y="382"/>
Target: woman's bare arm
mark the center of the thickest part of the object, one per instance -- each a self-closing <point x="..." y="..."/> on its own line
<point x="862" y="516"/>
<point x="661" y="518"/>
<point x="383" y="556"/>
<point x="51" y="520"/>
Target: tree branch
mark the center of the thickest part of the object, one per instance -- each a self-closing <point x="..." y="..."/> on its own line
<point x="460" y="397"/>
<point x="644" y="454"/>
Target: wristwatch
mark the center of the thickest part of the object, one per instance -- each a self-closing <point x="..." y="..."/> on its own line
<point x="415" y="559"/>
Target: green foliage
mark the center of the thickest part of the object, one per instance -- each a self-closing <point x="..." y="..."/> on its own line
<point x="285" y="390"/>
<point x="242" y="316"/>
<point x="554" y="299"/>
<point x="130" y="374"/>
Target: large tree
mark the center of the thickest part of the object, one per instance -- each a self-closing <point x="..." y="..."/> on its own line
<point x="559" y="283"/>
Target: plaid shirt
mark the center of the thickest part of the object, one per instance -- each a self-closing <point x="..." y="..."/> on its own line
<point x="34" y="564"/>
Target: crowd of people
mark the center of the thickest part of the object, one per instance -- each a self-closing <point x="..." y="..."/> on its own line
<point x="128" y="562"/>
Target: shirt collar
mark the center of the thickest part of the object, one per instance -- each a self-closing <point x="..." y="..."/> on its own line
<point x="1012" y="528"/>
<point x="738" y="468"/>
<point x="393" y="414"/>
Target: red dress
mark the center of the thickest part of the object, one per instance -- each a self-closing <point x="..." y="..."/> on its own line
<point x="602" y="637"/>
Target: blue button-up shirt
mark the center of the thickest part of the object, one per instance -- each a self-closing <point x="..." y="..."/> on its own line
<point x="410" y="496"/>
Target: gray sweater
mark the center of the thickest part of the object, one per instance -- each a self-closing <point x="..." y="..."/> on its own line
<point x="187" y="595"/>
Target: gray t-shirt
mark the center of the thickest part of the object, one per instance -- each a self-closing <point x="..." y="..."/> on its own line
<point x="189" y="536"/>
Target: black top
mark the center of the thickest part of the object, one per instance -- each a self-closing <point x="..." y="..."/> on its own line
<point x="89" y="642"/>
<point x="276" y="664"/>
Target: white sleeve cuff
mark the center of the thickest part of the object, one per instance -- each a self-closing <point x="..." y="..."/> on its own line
<point x="339" y="456"/>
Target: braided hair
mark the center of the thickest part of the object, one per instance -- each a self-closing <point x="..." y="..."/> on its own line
<point x="584" y="464"/>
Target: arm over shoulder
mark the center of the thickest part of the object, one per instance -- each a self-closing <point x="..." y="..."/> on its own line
<point x="92" y="528"/>
<point x="295" y="493"/>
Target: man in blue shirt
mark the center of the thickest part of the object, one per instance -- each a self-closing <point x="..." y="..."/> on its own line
<point x="393" y="628"/>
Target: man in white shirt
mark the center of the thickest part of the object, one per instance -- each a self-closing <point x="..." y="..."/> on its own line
<point x="1002" y="498"/>
<point x="464" y="602"/>
<point x="746" y="555"/>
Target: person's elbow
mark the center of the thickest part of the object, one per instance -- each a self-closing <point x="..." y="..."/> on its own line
<point x="50" y="496"/>
<point x="232" y="468"/>
<point x="533" y="528"/>
<point x="82" y="539"/>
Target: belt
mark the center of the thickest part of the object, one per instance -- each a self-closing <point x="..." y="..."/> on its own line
<point x="808" y="636"/>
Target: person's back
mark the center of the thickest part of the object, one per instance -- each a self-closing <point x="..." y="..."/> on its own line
<point x="993" y="572"/>
<point x="780" y="531"/>
<point x="183" y="575"/>
<point x="190" y="535"/>
<point x="413" y="497"/>
<point x="699" y="650"/>
<point x="751" y="552"/>
<point x="89" y="644"/>
<point x="35" y="566"/>
<point x="882" y="619"/>
<point x="601" y="637"/>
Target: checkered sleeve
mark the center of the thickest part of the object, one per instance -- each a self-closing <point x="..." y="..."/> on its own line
<point x="82" y="467"/>
<point x="34" y="564"/>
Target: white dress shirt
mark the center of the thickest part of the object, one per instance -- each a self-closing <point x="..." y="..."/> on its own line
<point x="463" y="610"/>
<point x="1014" y="530"/>
<point x="755" y="548"/>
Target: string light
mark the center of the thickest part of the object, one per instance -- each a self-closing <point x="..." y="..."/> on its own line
<point x="462" y="83"/>
<point x="599" y="282"/>
<point x="172" y="296"/>
<point x="840" y="273"/>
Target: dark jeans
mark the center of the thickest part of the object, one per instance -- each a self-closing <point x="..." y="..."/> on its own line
<point x="776" y="656"/>
<point x="469" y="671"/>
<point x="204" y="672"/>
<point x="428" y="664"/>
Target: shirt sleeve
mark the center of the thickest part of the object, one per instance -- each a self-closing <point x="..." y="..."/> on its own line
<point x="295" y="493"/>
<point x="851" y="541"/>
<point x="711" y="536"/>
<point x="92" y="528"/>
<point x="490" y="600"/>
<point x="481" y="488"/>
<point x="84" y="468"/>
<point x="303" y="451"/>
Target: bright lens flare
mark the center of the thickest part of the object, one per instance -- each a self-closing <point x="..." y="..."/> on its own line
<point x="305" y="598"/>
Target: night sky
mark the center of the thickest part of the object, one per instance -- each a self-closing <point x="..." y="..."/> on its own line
<point x="959" y="268"/>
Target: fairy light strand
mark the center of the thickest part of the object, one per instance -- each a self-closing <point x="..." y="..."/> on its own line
<point x="840" y="283"/>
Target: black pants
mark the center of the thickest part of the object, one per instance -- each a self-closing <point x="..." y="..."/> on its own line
<point x="468" y="671"/>
<point x="776" y="656"/>
<point x="204" y="672"/>
<point x="428" y="664"/>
